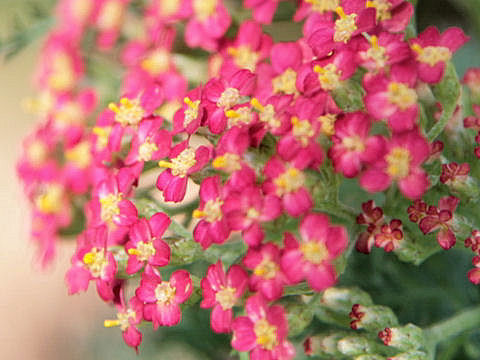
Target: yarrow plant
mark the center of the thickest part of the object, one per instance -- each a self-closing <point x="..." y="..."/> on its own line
<point x="202" y="160"/>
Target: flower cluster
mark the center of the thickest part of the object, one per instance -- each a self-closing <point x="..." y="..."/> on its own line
<point x="249" y="139"/>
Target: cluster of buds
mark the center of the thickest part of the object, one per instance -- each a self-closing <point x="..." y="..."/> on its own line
<point x="431" y="218"/>
<point x="384" y="235"/>
<point x="246" y="141"/>
<point x="473" y="242"/>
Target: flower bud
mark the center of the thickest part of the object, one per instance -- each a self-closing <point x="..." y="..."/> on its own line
<point x="356" y="345"/>
<point x="413" y="355"/>
<point x="323" y="344"/>
<point x="371" y="318"/>
<point x="299" y="317"/>
<point x="408" y="337"/>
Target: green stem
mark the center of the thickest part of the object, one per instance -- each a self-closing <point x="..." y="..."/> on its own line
<point x="449" y="328"/>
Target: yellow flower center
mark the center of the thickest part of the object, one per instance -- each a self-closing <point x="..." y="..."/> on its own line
<point x="109" y="207"/>
<point x="37" y="152"/>
<point x="344" y="26"/>
<point x="398" y="160"/>
<point x="157" y="62"/>
<point x="253" y="213"/>
<point x="328" y="76"/>
<point x="266" y="113"/>
<point x="129" y="113"/>
<point x="266" y="334"/>
<point x="226" y="297"/>
<point x="290" y="181"/>
<point x="285" y="82"/>
<point x="228" y="162"/>
<point x="62" y="77"/>
<point x="146" y="150"/>
<point x="401" y="95"/>
<point x="49" y="201"/>
<point x="95" y="261"/>
<point x="353" y="143"/>
<point x="328" y="124"/>
<point x="180" y="164"/>
<point x="191" y="112"/>
<point x="302" y="130"/>
<point x="169" y="7"/>
<point x="80" y="155"/>
<point x="432" y="55"/>
<point x="143" y="251"/>
<point x="81" y="9"/>
<point x="267" y="269"/>
<point x="165" y="293"/>
<point x="377" y="53"/>
<point x="111" y="15"/>
<point x="204" y="8"/>
<point x="229" y="97"/>
<point x="70" y="114"/>
<point x="239" y="116"/>
<point x="383" y="9"/>
<point x="103" y="134"/>
<point x="323" y="6"/>
<point x="314" y="252"/>
<point x="123" y="320"/>
<point x="212" y="211"/>
<point x="244" y="57"/>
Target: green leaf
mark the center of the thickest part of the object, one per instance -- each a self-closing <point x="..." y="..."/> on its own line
<point x="447" y="93"/>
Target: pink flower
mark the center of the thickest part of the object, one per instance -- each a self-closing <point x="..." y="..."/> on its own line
<point x="311" y="258"/>
<point x="246" y="209"/>
<point x="441" y="218"/>
<point x="393" y="98"/>
<point x="208" y="23"/>
<point x="390" y="236"/>
<point x="392" y="15"/>
<point x="222" y="292"/>
<point x="192" y="114"/>
<point x="184" y="160"/>
<point x="373" y="217"/>
<point x="213" y="228"/>
<point x="433" y="50"/>
<point x="453" y="173"/>
<point x="230" y="149"/>
<point x="109" y="21"/>
<point x="128" y="317"/>
<point x="287" y="182"/>
<point x="263" y="10"/>
<point x="263" y="332"/>
<point x="352" y="147"/>
<point x="146" y="244"/>
<point x="163" y="298"/>
<point x="92" y="261"/>
<point x="401" y="162"/>
<point x="267" y="276"/>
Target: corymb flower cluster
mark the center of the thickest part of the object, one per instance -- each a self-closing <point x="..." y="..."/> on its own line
<point x="184" y="132"/>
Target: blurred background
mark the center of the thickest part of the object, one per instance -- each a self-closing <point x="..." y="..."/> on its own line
<point x="38" y="319"/>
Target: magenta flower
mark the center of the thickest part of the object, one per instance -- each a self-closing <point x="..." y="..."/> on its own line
<point x="441" y="218"/>
<point x="352" y="145"/>
<point x="263" y="10"/>
<point x="263" y="332"/>
<point x="267" y="276"/>
<point x="163" y="298"/>
<point x="146" y="244"/>
<point x="474" y="274"/>
<point x="191" y="116"/>
<point x="128" y="317"/>
<point x="222" y="292"/>
<point x="213" y="228"/>
<point x="401" y="162"/>
<point x="230" y="149"/>
<point x="149" y="143"/>
<point x="390" y="236"/>
<point x="184" y="160"/>
<point x="392" y="15"/>
<point x="288" y="183"/>
<point x="209" y="22"/>
<point x="393" y="98"/>
<point x="92" y="261"/>
<point x="246" y="209"/>
<point x="311" y="258"/>
<point x="433" y="50"/>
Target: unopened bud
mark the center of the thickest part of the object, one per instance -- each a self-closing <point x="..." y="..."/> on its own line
<point x="299" y="316"/>
<point x="324" y="344"/>
<point x="372" y="318"/>
<point x="412" y="355"/>
<point x="342" y="299"/>
<point x="408" y="337"/>
<point x="356" y="345"/>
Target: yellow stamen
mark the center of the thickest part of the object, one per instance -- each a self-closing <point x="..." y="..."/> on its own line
<point x="129" y="112"/>
<point x="285" y="82"/>
<point x="314" y="252"/>
<point x="95" y="261"/>
<point x="290" y="181"/>
<point x="267" y="269"/>
<point x="180" y="164"/>
<point x="198" y="214"/>
<point x="111" y="323"/>
<point x="228" y="162"/>
<point x="340" y="12"/>
<point x="398" y="160"/>
<point x="329" y="76"/>
<point x="232" y="114"/>
<point x="344" y="26"/>
<point x="266" y="334"/>
<point x="401" y="95"/>
<point x="257" y="105"/>
<point x="226" y="297"/>
<point x="164" y="293"/>
<point x="212" y="211"/>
